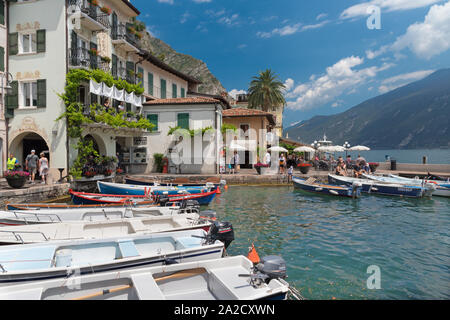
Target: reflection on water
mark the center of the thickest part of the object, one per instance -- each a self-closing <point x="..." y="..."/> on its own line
<point x="329" y="242"/>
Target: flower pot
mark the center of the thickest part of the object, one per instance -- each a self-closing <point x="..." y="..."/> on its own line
<point x="258" y="169"/>
<point x="16" y="182"/>
<point x="304" y="169"/>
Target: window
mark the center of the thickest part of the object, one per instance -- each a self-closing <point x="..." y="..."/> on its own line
<point x="174" y="90"/>
<point x="183" y="93"/>
<point x="27" y="43"/>
<point x="183" y="120"/>
<point x="153" y="118"/>
<point x="150" y="83"/>
<point x="28" y="94"/>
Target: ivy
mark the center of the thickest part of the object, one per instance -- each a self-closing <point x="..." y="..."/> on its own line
<point x="187" y="132"/>
<point x="76" y="117"/>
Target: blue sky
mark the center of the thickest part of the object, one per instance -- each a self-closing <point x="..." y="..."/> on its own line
<point x="323" y="50"/>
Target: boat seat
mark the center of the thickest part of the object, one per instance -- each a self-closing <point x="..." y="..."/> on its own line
<point x="18" y="258"/>
<point x="310" y="180"/>
<point x="189" y="242"/>
<point x="128" y="249"/>
<point x="146" y="287"/>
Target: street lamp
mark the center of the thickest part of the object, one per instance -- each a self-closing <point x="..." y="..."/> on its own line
<point x="346" y="146"/>
<point x="6" y="87"/>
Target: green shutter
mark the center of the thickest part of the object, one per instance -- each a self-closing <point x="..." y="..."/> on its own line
<point x="183" y="120"/>
<point x="153" y="118"/>
<point x="114" y="66"/>
<point x="150" y="83"/>
<point x="74" y="48"/>
<point x="12" y="99"/>
<point x="130" y="71"/>
<point x="2" y="59"/>
<point x="42" y="93"/>
<point x="141" y="80"/>
<point x="114" y="30"/>
<point x="183" y="93"/>
<point x="13" y="43"/>
<point x="163" y="89"/>
<point x="40" y="40"/>
<point x="174" y="90"/>
<point x="2" y="11"/>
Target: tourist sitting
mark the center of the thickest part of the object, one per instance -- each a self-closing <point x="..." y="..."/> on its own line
<point x="365" y="166"/>
<point x="341" y="169"/>
<point x="357" y="171"/>
<point x="348" y="162"/>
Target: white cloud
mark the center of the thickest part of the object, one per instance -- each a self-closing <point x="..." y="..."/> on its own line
<point x="166" y="1"/>
<point x="360" y="9"/>
<point x="400" y="80"/>
<point x="321" y="16"/>
<point x="242" y="46"/>
<point x="235" y="92"/>
<point x="340" y="78"/>
<point x="430" y="37"/>
<point x="289" y="84"/>
<point x="232" y="20"/>
<point x="291" y="29"/>
<point x="373" y="54"/>
<point x="202" y="1"/>
<point x="184" y="17"/>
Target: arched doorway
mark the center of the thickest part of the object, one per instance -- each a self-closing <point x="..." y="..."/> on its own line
<point x="97" y="143"/>
<point x="22" y="145"/>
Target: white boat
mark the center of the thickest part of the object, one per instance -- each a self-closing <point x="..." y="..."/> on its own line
<point x="442" y="187"/>
<point x="57" y="260"/>
<point x="21" y="217"/>
<point x="83" y="230"/>
<point x="215" y="279"/>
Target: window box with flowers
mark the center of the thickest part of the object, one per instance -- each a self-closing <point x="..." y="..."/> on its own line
<point x="93" y="3"/>
<point x="304" y="167"/>
<point x="16" y="179"/>
<point x="373" y="166"/>
<point x="106" y="10"/>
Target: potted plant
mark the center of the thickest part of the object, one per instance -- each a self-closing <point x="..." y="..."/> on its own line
<point x="108" y="172"/>
<point x="158" y="157"/>
<point x="93" y="52"/>
<point x="106" y="59"/>
<point x="304" y="167"/>
<point x="119" y="171"/>
<point x="93" y="3"/>
<point x="16" y="179"/>
<point x="260" y="165"/>
<point x="373" y="166"/>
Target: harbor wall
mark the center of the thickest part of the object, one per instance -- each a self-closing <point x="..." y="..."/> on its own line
<point x="33" y="194"/>
<point x="417" y="167"/>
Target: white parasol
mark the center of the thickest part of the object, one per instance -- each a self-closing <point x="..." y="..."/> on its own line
<point x="277" y="149"/>
<point x="359" y="148"/>
<point x="332" y="148"/>
<point x="304" y="149"/>
<point x="236" y="147"/>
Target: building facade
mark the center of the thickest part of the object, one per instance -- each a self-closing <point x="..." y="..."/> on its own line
<point x="3" y="84"/>
<point x="42" y="49"/>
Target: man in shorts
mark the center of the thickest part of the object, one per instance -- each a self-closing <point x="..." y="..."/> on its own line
<point x="31" y="165"/>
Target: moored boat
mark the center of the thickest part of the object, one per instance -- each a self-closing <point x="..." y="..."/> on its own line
<point x="96" y="198"/>
<point x="83" y="230"/>
<point x="140" y="190"/>
<point x="310" y="185"/>
<point x="390" y="189"/>
<point x="57" y="260"/>
<point x="229" y="278"/>
<point x="174" y="182"/>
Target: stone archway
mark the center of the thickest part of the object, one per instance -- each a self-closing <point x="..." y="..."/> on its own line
<point x="22" y="144"/>
<point x="99" y="144"/>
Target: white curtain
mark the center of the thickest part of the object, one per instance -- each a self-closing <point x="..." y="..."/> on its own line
<point x="118" y="94"/>
<point x="129" y="97"/>
<point x="138" y="101"/>
<point x="107" y="91"/>
<point x="95" y="88"/>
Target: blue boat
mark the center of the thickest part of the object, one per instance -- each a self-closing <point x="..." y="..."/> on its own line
<point x="389" y="189"/>
<point x="179" y="182"/>
<point x="140" y="190"/>
<point x="310" y="185"/>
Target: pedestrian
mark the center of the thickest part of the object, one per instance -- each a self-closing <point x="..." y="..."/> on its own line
<point x="43" y="168"/>
<point x="282" y="163"/>
<point x="267" y="158"/>
<point x="236" y="162"/>
<point x="31" y="163"/>
<point x="290" y="173"/>
<point x="13" y="163"/>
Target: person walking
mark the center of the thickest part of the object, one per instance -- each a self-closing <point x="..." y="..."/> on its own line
<point x="12" y="163"/>
<point x="267" y="158"/>
<point x="236" y="162"/>
<point x="282" y="163"/>
<point x="43" y="168"/>
<point x="31" y="163"/>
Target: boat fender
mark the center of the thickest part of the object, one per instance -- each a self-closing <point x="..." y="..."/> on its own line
<point x="334" y="192"/>
<point x="319" y="189"/>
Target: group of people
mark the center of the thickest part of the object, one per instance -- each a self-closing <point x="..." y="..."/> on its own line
<point x="357" y="168"/>
<point x="33" y="165"/>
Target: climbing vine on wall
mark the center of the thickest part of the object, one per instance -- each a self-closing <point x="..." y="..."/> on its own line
<point x="76" y="116"/>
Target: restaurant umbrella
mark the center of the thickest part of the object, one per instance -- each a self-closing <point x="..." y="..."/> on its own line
<point x="359" y="148"/>
<point x="332" y="149"/>
<point x="304" y="149"/>
<point x="277" y="149"/>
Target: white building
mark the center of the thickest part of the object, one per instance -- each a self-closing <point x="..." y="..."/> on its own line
<point x="3" y="72"/>
<point x="79" y="34"/>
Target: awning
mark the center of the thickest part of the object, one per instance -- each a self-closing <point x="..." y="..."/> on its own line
<point x="101" y="89"/>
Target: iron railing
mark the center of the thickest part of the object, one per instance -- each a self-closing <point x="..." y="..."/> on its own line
<point x="122" y="32"/>
<point x="91" y="11"/>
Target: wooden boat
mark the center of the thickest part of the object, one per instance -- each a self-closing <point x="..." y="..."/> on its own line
<point x="59" y="259"/>
<point x="390" y="189"/>
<point x="64" y="206"/>
<point x="310" y="185"/>
<point x="26" y="217"/>
<point x="84" y="230"/>
<point x="140" y="190"/>
<point x="96" y="198"/>
<point x="174" y="182"/>
<point x="215" y="279"/>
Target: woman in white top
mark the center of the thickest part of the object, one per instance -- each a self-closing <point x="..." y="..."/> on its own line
<point x="43" y="168"/>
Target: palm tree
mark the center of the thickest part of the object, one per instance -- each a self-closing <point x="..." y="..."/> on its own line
<point x="266" y="92"/>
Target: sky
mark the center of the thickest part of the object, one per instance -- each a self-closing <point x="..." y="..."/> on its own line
<point x="331" y="54"/>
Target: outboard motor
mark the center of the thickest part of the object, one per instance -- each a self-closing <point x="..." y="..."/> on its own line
<point x="272" y="267"/>
<point x="222" y="231"/>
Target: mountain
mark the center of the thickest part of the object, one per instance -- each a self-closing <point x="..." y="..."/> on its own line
<point x="410" y="117"/>
<point x="183" y="63"/>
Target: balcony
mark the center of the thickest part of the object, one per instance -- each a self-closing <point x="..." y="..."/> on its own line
<point x="123" y="73"/>
<point x="122" y="36"/>
<point x="91" y="18"/>
<point x="84" y="58"/>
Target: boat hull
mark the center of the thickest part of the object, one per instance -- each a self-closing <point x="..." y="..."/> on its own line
<point x="175" y="182"/>
<point x="299" y="183"/>
<point x="382" y="189"/>
<point x="140" y="190"/>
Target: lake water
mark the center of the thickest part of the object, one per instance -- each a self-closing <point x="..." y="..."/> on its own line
<point x="328" y="242"/>
<point x="434" y="156"/>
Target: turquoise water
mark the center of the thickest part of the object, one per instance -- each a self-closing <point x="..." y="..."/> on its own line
<point x="328" y="243"/>
<point x="434" y="156"/>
